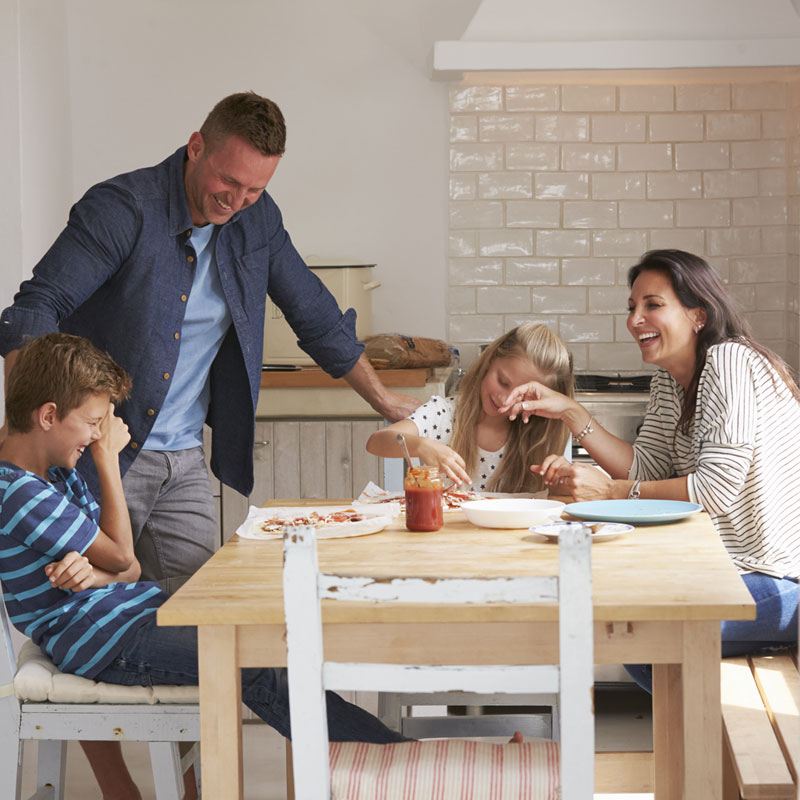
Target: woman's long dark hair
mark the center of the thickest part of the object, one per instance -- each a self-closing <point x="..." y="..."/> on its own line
<point x="698" y="285"/>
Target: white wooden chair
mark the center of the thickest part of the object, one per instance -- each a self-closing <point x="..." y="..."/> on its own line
<point x="333" y="771"/>
<point x="39" y="702"/>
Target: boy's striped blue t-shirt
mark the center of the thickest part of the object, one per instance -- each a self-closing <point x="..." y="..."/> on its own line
<point x="40" y="522"/>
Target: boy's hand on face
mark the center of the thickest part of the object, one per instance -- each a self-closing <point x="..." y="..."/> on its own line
<point x="73" y="572"/>
<point x="113" y="435"/>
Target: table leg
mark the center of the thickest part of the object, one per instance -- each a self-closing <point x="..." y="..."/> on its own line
<point x="702" y="714"/>
<point x="220" y="712"/>
<point x="668" y="731"/>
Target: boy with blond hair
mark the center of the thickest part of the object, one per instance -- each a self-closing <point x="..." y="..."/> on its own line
<point x="67" y="565"/>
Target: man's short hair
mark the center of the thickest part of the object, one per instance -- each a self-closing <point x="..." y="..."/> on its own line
<point x="249" y="116"/>
<point x="61" y="369"/>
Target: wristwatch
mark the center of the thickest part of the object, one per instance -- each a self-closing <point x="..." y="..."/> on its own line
<point x="633" y="494"/>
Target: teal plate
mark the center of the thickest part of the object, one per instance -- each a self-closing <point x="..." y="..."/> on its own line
<point x="634" y="512"/>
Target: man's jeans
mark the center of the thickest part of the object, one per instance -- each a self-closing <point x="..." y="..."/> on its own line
<point x="775" y="625"/>
<point x="168" y="655"/>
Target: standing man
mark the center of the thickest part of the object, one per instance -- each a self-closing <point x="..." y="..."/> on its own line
<point x="167" y="269"/>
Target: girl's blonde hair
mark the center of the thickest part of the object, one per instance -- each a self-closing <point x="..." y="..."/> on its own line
<point x="528" y="443"/>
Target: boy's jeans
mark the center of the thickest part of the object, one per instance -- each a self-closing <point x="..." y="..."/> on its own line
<point x="168" y="655"/>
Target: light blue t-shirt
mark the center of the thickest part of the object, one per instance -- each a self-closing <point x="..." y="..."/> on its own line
<point x="179" y="424"/>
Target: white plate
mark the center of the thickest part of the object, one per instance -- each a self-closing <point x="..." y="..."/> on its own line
<point x="376" y="520"/>
<point x="610" y="530"/>
<point x="511" y="512"/>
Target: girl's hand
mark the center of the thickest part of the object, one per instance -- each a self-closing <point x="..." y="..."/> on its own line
<point x="535" y="399"/>
<point x="113" y="435"/>
<point x="73" y="572"/>
<point x="447" y="460"/>
<point x="583" y="481"/>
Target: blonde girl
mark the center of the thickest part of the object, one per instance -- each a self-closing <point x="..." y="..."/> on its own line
<point x="468" y="438"/>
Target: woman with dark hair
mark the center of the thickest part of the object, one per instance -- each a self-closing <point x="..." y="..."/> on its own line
<point x="721" y="410"/>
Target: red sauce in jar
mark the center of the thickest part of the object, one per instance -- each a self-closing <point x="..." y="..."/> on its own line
<point x="423" y="499"/>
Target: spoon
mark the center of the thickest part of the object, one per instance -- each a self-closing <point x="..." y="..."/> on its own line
<point x="402" y="441"/>
<point x="596" y="526"/>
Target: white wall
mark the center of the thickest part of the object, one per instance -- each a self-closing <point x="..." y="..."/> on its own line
<point x="107" y="87"/>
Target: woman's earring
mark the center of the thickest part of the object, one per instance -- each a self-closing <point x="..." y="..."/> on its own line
<point x="698" y="328"/>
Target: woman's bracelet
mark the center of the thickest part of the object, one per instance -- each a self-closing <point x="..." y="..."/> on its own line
<point x="585" y="432"/>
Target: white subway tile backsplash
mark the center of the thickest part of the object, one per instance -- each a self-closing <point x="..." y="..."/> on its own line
<point x="463" y="128"/>
<point x="476" y="214"/>
<point x="759" y="211"/>
<point x="462" y="187"/>
<point x="505" y="243"/>
<point x="744" y="295"/>
<point x="619" y="243"/>
<point x="618" y="128"/>
<point x="774" y="239"/>
<point x="733" y="241"/>
<point x="533" y="98"/>
<point x="559" y="300"/>
<point x="588" y="157"/>
<point x="532" y="156"/>
<point x="476" y="157"/>
<point x="644" y="157"/>
<point x="608" y="299"/>
<point x="533" y="214"/>
<point x="646" y="98"/>
<point x="515" y="320"/>
<point x="688" y="239"/>
<point x="562" y="127"/>
<point x="461" y="300"/>
<point x="703" y="213"/>
<point x="580" y="356"/>
<point x="705" y="155"/>
<point x="703" y="97"/>
<point x="532" y="271"/>
<point x="589" y="214"/>
<point x="590" y="328"/>
<point x="476" y="98"/>
<point x="674" y="185"/>
<point x="462" y="243"/>
<point x="504" y="300"/>
<point x="758" y="269"/>
<point x="614" y="356"/>
<point x="750" y="155"/>
<point x="767" y="326"/>
<point x="588" y="98"/>
<point x="730" y="183"/>
<point x="760" y="95"/>
<point x="676" y="127"/>
<point x="474" y="328"/>
<point x="646" y="214"/>
<point x="773" y="183"/>
<point x="588" y="271"/>
<point x="618" y="186"/>
<point x="476" y="271"/>
<point x="504" y="185"/>
<point x="562" y="185"/>
<point x="562" y="243"/>
<point x="505" y="127"/>
<point x="728" y="126"/>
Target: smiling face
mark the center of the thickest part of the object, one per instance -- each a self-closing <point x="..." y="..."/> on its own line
<point x="67" y="438"/>
<point x="224" y="179"/>
<point x="665" y="329"/>
<point x="501" y="377"/>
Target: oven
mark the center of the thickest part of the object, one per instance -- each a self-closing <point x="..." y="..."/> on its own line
<point x="617" y="402"/>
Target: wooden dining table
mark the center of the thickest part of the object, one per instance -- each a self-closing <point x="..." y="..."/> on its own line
<point x="659" y="594"/>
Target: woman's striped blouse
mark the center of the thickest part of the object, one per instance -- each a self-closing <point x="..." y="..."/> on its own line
<point x="741" y="455"/>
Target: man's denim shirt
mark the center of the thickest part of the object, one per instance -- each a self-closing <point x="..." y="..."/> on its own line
<point x="120" y="274"/>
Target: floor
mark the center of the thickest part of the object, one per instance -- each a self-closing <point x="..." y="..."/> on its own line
<point x="623" y="722"/>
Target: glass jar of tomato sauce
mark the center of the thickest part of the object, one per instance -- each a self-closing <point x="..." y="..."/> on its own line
<point x="424" y="489"/>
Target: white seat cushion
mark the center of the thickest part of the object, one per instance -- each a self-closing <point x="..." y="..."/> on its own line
<point x="39" y="680"/>
<point x="444" y="769"/>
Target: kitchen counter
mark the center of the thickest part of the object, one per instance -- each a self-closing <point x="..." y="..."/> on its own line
<point x="312" y="394"/>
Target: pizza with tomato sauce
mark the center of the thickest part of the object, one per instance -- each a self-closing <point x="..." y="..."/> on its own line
<point x="329" y="523"/>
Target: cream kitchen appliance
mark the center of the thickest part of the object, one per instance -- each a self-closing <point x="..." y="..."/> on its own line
<point x="350" y="282"/>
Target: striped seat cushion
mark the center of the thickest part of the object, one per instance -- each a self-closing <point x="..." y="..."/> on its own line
<point x="444" y="769"/>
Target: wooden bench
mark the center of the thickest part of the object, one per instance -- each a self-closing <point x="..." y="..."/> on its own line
<point x="761" y="727"/>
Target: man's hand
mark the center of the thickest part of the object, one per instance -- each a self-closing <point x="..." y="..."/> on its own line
<point x="397" y="406"/>
<point x="73" y="572"/>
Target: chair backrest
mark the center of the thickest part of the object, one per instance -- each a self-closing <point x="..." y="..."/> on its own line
<point x="310" y="675"/>
<point x="8" y="658"/>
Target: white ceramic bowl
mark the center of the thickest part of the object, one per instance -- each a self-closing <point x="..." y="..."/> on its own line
<point x="512" y="512"/>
